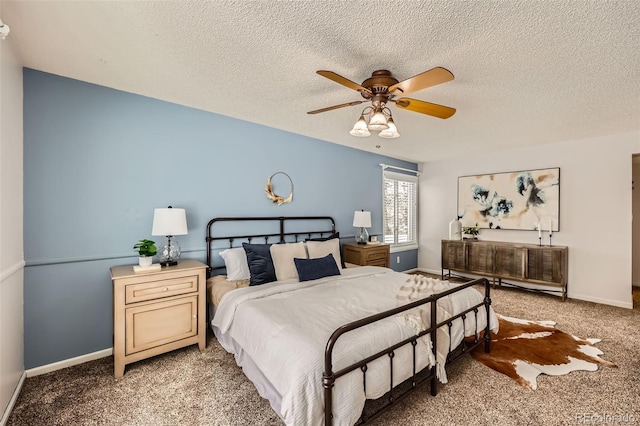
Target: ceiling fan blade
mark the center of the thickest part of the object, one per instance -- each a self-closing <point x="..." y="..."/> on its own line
<point x="429" y="78"/>
<point x="423" y="107"/>
<point x="335" y="107"/>
<point x="344" y="81"/>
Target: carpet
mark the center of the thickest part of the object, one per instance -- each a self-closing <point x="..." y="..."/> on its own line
<point x="524" y="349"/>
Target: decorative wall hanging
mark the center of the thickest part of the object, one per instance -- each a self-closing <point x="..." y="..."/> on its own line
<point x="527" y="200"/>
<point x="275" y="198"/>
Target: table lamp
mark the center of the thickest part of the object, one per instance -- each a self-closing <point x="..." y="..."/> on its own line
<point x="169" y="222"/>
<point x="362" y="219"/>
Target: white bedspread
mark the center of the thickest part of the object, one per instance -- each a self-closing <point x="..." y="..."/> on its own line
<point x="284" y="327"/>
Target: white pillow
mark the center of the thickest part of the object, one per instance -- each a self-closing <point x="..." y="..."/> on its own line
<point x="322" y="248"/>
<point x="283" y="255"/>
<point x="235" y="260"/>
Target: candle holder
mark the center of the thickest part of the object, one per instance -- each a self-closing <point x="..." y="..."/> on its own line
<point x="540" y="241"/>
<point x="550" y="239"/>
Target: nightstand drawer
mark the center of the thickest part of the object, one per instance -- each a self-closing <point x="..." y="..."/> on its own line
<point x="158" y="323"/>
<point x="158" y="289"/>
<point x="377" y="254"/>
<point x="366" y="254"/>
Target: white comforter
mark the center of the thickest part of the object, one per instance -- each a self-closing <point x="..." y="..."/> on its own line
<point x="284" y="327"/>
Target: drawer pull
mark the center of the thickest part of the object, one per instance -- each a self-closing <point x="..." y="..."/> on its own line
<point x="165" y="289"/>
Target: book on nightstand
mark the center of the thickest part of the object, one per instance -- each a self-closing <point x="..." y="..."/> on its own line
<point x="153" y="267"/>
<point x="373" y="243"/>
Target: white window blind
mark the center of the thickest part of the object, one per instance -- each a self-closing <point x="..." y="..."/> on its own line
<point x="400" y="208"/>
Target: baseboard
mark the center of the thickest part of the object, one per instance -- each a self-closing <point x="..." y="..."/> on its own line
<point x="12" y="401"/>
<point x="602" y="301"/>
<point x="69" y="362"/>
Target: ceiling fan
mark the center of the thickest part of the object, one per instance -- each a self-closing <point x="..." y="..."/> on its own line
<point x="382" y="88"/>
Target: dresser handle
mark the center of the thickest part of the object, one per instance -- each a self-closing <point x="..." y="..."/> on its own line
<point x="165" y="289"/>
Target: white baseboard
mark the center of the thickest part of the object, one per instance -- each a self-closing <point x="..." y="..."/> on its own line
<point x="12" y="401"/>
<point x="69" y="362"/>
<point x="603" y="301"/>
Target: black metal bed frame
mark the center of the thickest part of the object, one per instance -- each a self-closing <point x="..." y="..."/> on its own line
<point x="418" y="378"/>
<point x="282" y="235"/>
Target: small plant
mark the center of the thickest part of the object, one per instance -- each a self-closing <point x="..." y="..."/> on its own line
<point x="146" y="248"/>
<point x="471" y="230"/>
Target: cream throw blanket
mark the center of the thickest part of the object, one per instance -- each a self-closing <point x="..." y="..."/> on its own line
<point x="420" y="287"/>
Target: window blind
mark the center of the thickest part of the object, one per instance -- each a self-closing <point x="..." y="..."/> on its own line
<point x="400" y="208"/>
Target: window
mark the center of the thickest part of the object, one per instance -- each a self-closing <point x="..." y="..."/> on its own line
<point x="400" y="209"/>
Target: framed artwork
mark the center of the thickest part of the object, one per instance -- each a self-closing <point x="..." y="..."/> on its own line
<point x="513" y="200"/>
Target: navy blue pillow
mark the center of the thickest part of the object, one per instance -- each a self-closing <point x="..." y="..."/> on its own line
<point x="320" y="267"/>
<point x="261" y="268"/>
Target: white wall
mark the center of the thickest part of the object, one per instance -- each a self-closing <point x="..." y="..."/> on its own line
<point x="11" y="240"/>
<point x="595" y="209"/>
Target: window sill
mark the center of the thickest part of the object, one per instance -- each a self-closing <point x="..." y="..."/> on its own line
<point x="399" y="248"/>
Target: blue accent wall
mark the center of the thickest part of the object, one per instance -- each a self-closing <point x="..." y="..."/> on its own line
<point x="404" y="260"/>
<point x="97" y="161"/>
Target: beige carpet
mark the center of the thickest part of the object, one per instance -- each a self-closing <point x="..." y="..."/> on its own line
<point x="186" y="387"/>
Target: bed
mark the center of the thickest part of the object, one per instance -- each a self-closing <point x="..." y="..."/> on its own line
<point x="322" y="339"/>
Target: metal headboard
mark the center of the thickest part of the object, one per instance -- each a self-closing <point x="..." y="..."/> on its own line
<point x="281" y="235"/>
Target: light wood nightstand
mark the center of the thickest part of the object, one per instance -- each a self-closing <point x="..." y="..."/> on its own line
<point x="366" y="254"/>
<point x="156" y="312"/>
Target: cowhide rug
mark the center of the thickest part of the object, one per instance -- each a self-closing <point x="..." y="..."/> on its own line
<point x="524" y="349"/>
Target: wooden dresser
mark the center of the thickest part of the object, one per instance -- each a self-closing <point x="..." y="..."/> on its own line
<point x="366" y="254"/>
<point x="527" y="263"/>
<point x="156" y="312"/>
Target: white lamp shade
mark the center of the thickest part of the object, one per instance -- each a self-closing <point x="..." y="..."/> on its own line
<point x="378" y="121"/>
<point x="360" y="128"/>
<point x="391" y="132"/>
<point x="169" y="221"/>
<point x="362" y="219"/>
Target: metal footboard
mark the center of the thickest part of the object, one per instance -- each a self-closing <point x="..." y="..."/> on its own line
<point x="329" y="376"/>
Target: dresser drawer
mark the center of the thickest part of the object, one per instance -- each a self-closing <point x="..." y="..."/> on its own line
<point x="161" y="288"/>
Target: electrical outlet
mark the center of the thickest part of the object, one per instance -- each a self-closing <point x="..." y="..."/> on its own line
<point x="397" y="259"/>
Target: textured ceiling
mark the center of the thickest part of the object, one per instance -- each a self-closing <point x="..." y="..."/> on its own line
<point x="526" y="72"/>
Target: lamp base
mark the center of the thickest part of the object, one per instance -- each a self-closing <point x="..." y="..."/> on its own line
<point x="170" y="253"/>
<point x="362" y="236"/>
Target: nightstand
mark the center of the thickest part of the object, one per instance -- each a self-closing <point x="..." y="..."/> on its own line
<point x="158" y="311"/>
<point x="366" y="254"/>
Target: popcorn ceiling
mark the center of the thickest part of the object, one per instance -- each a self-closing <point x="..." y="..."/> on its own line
<point x="525" y="72"/>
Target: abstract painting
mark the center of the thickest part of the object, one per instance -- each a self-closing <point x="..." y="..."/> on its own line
<point x="513" y="200"/>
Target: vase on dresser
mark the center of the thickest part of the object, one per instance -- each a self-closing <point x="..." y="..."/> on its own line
<point x="455" y="229"/>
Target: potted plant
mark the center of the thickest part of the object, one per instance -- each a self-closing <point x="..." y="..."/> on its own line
<point x="146" y="250"/>
<point x="470" y="232"/>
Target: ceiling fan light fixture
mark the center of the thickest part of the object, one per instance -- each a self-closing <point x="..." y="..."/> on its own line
<point x="360" y="128"/>
<point x="378" y="120"/>
<point x="391" y="132"/>
<point x="380" y="89"/>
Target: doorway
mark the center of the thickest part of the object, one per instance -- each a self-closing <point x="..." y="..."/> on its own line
<point x="635" y="230"/>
